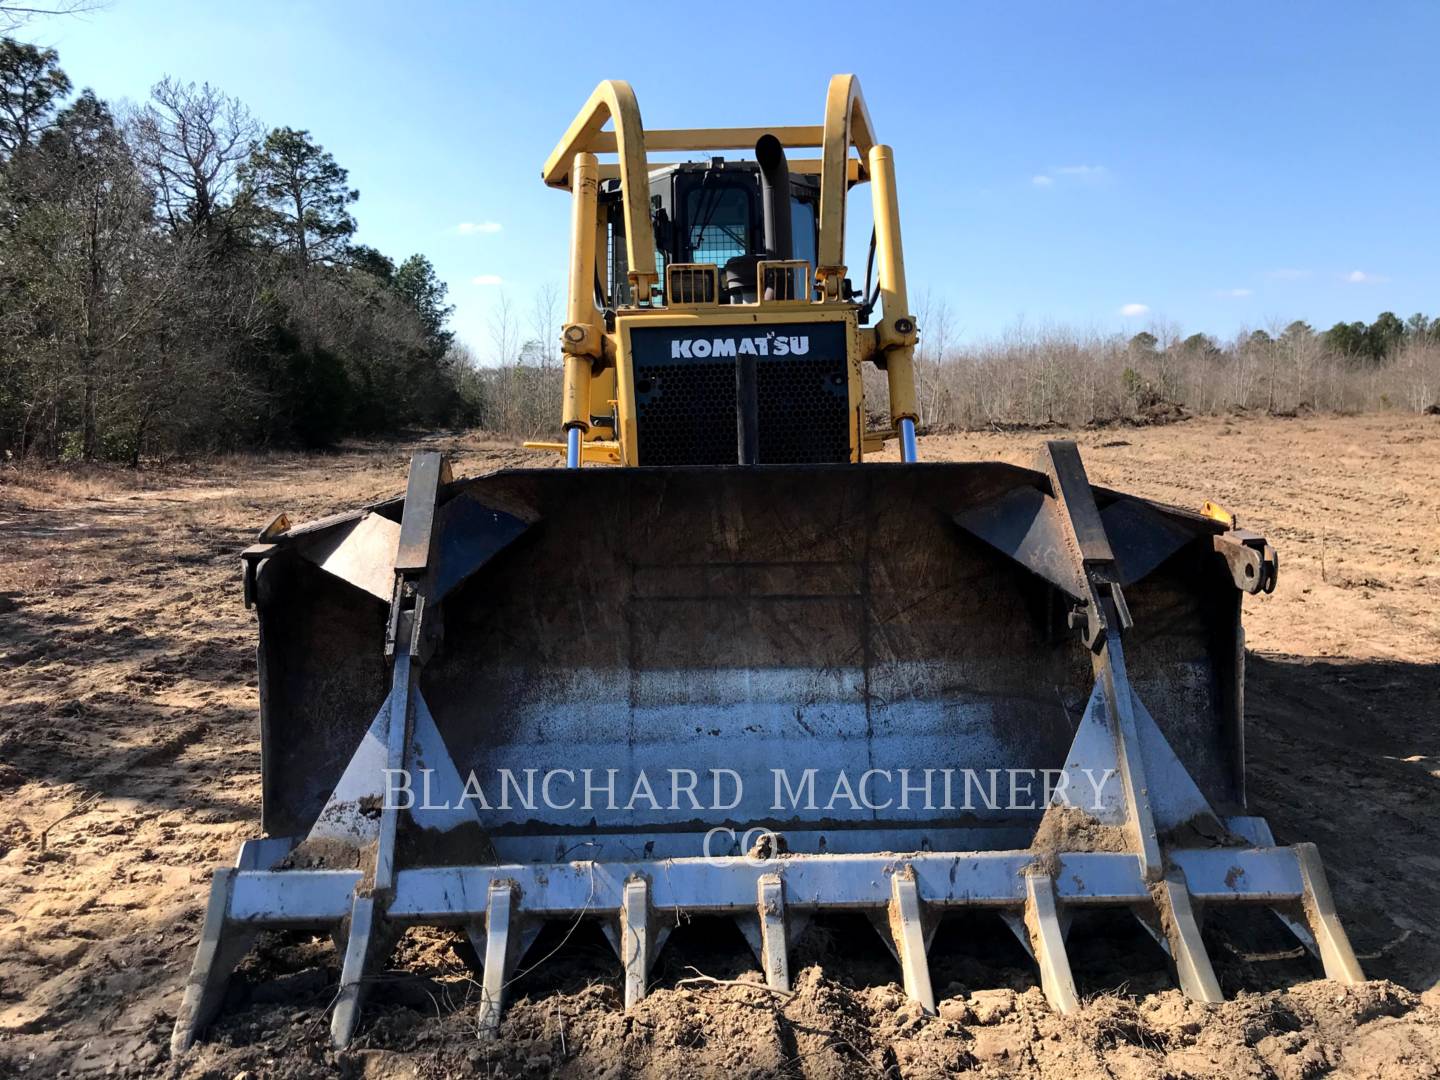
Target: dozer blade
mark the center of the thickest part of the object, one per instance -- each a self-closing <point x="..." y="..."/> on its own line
<point x="763" y="692"/>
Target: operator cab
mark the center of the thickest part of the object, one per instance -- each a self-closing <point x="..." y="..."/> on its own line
<point x="712" y="213"/>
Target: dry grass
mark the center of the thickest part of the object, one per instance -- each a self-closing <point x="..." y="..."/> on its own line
<point x="45" y="487"/>
<point x="1046" y="376"/>
<point x="1055" y="377"/>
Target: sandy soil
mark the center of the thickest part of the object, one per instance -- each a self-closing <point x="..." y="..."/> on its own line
<point x="129" y="770"/>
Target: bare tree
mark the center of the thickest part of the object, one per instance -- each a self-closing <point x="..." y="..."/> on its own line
<point x="14" y="15"/>
<point x="191" y="142"/>
<point x="504" y="335"/>
<point x="936" y="333"/>
<point x="545" y="323"/>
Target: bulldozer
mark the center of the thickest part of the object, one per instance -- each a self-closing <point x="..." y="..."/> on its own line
<point x="725" y="663"/>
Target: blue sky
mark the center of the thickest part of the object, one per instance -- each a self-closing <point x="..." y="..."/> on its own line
<point x="1217" y="165"/>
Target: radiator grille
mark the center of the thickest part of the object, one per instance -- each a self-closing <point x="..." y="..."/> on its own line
<point x="804" y="411"/>
<point x="686" y="413"/>
<point x="685" y="404"/>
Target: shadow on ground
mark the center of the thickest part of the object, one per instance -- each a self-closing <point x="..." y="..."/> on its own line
<point x="1347" y="755"/>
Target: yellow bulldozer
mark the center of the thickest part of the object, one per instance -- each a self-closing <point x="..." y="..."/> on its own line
<point x="748" y="673"/>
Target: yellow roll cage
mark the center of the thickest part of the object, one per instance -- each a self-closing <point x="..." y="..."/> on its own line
<point x="574" y="166"/>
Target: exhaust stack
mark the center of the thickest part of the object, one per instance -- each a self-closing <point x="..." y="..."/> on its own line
<point x="775" y="197"/>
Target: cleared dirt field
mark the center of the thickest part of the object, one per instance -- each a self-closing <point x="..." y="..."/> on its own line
<point x="129" y="770"/>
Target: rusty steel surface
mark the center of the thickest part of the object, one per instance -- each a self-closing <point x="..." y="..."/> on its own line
<point x="834" y="618"/>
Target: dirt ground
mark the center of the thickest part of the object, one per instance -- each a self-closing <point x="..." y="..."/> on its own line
<point x="129" y="770"/>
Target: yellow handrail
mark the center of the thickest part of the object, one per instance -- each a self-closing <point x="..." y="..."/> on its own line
<point x="847" y="123"/>
<point x="614" y="100"/>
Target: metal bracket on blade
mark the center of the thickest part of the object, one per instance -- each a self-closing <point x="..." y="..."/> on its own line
<point x="1104" y="607"/>
<point x="1253" y="562"/>
<point x="251" y="558"/>
<point x="408" y="632"/>
<point x="265" y="544"/>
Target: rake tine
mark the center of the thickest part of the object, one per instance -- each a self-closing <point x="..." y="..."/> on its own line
<point x="635" y="939"/>
<point x="775" y="955"/>
<point x="220" y="950"/>
<point x="908" y="927"/>
<point x="1048" y="944"/>
<point x="1336" y="954"/>
<point x="1187" y="949"/>
<point x="360" y="953"/>
<point x="499" y="954"/>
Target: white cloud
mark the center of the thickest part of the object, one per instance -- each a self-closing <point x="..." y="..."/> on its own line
<point x="475" y="228"/>
<point x="1288" y="274"/>
<point x="1069" y="172"/>
<point x="1134" y="311"/>
<point x="1360" y="277"/>
<point x="1237" y="293"/>
<point x="487" y="279"/>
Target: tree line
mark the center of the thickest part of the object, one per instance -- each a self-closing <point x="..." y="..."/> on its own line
<point x="176" y="278"/>
<point x="1359" y="344"/>
<point x="1045" y="375"/>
